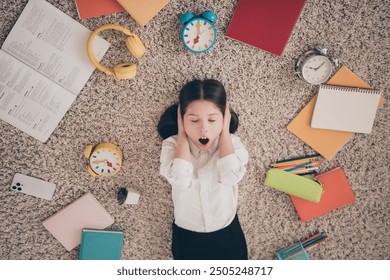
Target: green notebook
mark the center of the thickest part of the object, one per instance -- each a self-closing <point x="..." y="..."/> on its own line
<point x="98" y="244"/>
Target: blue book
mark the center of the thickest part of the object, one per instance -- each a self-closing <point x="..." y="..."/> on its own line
<point x="100" y="244"/>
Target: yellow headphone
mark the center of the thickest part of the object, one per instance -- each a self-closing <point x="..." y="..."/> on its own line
<point x="125" y="70"/>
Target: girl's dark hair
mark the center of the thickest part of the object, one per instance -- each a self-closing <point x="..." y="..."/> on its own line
<point x="210" y="90"/>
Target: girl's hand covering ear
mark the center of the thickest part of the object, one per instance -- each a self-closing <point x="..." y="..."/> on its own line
<point x="180" y="125"/>
<point x="226" y="119"/>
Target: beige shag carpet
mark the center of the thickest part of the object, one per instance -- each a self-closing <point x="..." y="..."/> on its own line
<point x="263" y="90"/>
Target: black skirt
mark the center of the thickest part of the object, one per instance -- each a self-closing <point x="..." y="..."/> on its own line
<point x="225" y="244"/>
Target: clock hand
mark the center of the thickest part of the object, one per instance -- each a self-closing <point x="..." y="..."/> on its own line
<point x="99" y="161"/>
<point x="196" y="39"/>
<point x="109" y="164"/>
<point x="319" y="66"/>
<point x="197" y="25"/>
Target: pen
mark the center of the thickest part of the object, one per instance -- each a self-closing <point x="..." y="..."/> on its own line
<point x="308" y="247"/>
<point x="310" y="174"/>
<point x="311" y="237"/>
<point x="298" y="158"/>
<point x="309" y="242"/>
<point x="298" y="166"/>
<point x="314" y="240"/>
<point x="294" y="162"/>
<point x="288" y="165"/>
<point x="304" y="170"/>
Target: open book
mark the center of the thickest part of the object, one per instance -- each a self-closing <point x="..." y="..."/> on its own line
<point x="44" y="66"/>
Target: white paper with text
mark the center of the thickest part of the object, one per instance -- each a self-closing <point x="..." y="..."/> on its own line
<point x="53" y="43"/>
<point x="30" y="101"/>
<point x="43" y="67"/>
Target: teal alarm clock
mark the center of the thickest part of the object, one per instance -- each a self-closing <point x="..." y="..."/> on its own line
<point x="199" y="33"/>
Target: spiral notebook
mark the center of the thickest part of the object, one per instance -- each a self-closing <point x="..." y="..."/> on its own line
<point x="325" y="141"/>
<point x="345" y="109"/>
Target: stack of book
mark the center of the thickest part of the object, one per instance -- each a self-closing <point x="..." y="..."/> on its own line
<point x="83" y="223"/>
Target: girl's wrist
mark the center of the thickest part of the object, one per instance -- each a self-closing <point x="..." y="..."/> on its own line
<point x="225" y="132"/>
<point x="182" y="136"/>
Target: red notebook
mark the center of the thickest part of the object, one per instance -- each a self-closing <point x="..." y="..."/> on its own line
<point x="337" y="193"/>
<point x="94" y="8"/>
<point x="265" y="24"/>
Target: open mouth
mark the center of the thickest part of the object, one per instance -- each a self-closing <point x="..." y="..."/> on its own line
<point x="204" y="140"/>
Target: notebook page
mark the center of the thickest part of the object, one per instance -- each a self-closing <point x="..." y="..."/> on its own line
<point x="345" y="109"/>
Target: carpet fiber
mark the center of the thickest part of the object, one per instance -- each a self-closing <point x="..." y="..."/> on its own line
<point x="264" y="91"/>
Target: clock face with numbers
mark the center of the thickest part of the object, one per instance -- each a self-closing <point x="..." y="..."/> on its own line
<point x="316" y="69"/>
<point x="199" y="35"/>
<point x="104" y="160"/>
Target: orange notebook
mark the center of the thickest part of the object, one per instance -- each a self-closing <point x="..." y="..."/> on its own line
<point x="324" y="141"/>
<point x="95" y="8"/>
<point x="337" y="193"/>
<point x="142" y="11"/>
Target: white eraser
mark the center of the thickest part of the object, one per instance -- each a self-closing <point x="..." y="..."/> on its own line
<point x="132" y="196"/>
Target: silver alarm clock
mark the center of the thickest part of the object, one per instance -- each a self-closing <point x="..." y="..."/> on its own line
<point x="315" y="66"/>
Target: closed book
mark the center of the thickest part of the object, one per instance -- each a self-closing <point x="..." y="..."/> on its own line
<point x="337" y="193"/>
<point x="101" y="244"/>
<point x="95" y="8"/>
<point x="142" y="11"/>
<point x="265" y="24"/>
<point x="325" y="141"/>
<point x="67" y="224"/>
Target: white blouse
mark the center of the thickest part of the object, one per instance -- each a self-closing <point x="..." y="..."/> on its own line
<point x="204" y="191"/>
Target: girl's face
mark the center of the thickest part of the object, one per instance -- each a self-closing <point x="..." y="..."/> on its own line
<point x="203" y="123"/>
